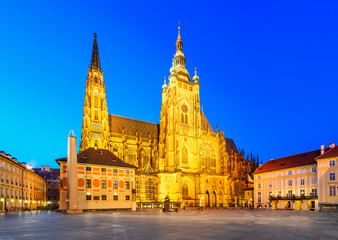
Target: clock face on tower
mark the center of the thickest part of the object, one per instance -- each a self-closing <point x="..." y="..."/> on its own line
<point x="184" y="108"/>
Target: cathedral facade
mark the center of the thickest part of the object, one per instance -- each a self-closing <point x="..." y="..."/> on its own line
<point x="181" y="157"/>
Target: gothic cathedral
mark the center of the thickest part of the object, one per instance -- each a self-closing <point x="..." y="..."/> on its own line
<point x="182" y="157"/>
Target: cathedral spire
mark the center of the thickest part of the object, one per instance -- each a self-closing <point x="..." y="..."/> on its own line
<point x="95" y="64"/>
<point x="95" y="127"/>
<point x="179" y="59"/>
<point x="179" y="44"/>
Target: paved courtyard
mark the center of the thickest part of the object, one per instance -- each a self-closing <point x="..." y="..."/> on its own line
<point x="187" y="224"/>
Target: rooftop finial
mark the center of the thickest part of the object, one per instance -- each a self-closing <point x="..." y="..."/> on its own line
<point x="95" y="36"/>
<point x="195" y="78"/>
<point x="164" y="87"/>
<point x="179" y="43"/>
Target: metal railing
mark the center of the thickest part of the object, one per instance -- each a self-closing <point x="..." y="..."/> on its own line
<point x="293" y="197"/>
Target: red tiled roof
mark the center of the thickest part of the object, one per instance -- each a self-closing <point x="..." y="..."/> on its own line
<point x="333" y="152"/>
<point x="100" y="157"/>
<point x="118" y="124"/>
<point x="292" y="161"/>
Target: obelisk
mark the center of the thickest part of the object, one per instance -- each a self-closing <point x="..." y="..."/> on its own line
<point x="72" y="181"/>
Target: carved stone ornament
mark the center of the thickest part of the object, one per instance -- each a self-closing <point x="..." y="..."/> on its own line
<point x="184" y="108"/>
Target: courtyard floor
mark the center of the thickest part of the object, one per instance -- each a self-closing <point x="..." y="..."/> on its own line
<point x="186" y="224"/>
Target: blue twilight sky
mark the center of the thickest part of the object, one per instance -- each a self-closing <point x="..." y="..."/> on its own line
<point x="268" y="69"/>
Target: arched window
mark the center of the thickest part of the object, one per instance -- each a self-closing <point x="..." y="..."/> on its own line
<point x="116" y="150"/>
<point x="185" y="191"/>
<point x="184" y="154"/>
<point x="144" y="158"/>
<point x="131" y="156"/>
<point x="184" y="114"/>
<point x="96" y="100"/>
<point x="96" y="115"/>
<point x="208" y="158"/>
<point x="95" y="79"/>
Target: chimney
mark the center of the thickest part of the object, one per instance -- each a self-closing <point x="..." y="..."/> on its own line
<point x="322" y="149"/>
<point x="42" y="168"/>
<point x="47" y="168"/>
<point x="333" y="145"/>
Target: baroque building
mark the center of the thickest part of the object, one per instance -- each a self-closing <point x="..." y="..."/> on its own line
<point x="305" y="181"/>
<point x="182" y="157"/>
<point x="20" y="187"/>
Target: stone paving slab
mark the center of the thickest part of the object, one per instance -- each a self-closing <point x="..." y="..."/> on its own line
<point x="186" y="224"/>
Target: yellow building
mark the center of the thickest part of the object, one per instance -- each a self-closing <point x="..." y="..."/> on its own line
<point x="181" y="157"/>
<point x="104" y="181"/>
<point x="20" y="187"/>
<point x="327" y="178"/>
<point x="292" y="182"/>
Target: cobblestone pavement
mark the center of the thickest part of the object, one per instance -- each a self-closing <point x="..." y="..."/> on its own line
<point x="186" y="224"/>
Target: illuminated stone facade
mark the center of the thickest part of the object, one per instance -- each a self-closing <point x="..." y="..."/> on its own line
<point x="181" y="157"/>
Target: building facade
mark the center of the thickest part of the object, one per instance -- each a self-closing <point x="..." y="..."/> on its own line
<point x="52" y="179"/>
<point x="296" y="181"/>
<point x="327" y="178"/>
<point x="182" y="157"/>
<point x="20" y="187"/>
<point x="104" y="181"/>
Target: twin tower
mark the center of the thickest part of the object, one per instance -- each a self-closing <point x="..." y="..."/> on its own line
<point x="182" y="157"/>
<point x="180" y="121"/>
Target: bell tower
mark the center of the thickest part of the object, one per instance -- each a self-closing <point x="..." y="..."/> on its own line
<point x="95" y="128"/>
<point x="180" y="121"/>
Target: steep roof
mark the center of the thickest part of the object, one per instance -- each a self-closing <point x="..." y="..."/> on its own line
<point x="95" y="63"/>
<point x="230" y="145"/>
<point x="296" y="160"/>
<point x="99" y="156"/>
<point x="117" y="124"/>
<point x="333" y="152"/>
<point x="205" y="123"/>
